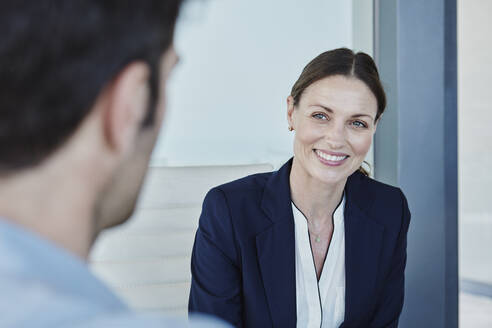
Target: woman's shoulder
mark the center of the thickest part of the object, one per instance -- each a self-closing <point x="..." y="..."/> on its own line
<point x="239" y="194"/>
<point x="251" y="184"/>
<point x="376" y="189"/>
<point x="384" y="203"/>
<point x="236" y="205"/>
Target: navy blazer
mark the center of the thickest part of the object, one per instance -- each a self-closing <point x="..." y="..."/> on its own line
<point x="243" y="261"/>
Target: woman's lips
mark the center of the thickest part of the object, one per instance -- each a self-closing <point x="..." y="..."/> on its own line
<point x="332" y="159"/>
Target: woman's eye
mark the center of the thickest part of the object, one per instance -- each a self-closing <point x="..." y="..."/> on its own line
<point x="359" y="124"/>
<point x="320" y="116"/>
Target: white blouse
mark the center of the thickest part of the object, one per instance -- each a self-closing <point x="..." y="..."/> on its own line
<point x="320" y="304"/>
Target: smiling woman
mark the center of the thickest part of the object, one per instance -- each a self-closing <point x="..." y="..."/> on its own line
<point x="317" y="243"/>
<point x="335" y="121"/>
<point x="365" y="97"/>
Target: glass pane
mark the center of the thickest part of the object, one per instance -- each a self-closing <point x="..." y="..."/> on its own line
<point x="475" y="161"/>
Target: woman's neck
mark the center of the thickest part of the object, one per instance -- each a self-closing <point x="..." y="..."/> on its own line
<point x="316" y="200"/>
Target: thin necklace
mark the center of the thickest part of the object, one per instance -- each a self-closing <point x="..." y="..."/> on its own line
<point x="317" y="239"/>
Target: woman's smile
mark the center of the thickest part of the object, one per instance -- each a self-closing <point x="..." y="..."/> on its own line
<point x="331" y="158"/>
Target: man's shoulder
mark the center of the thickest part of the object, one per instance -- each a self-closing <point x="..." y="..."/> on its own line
<point x="28" y="301"/>
<point x="30" y="304"/>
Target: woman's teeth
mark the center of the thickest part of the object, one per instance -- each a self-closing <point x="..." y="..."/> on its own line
<point x="330" y="157"/>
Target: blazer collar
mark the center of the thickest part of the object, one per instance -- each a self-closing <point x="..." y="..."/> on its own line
<point x="276" y="201"/>
<point x="276" y="250"/>
<point x="357" y="193"/>
<point x="363" y="242"/>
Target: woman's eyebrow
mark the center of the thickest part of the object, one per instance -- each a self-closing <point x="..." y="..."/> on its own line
<point x="362" y="115"/>
<point x="329" y="110"/>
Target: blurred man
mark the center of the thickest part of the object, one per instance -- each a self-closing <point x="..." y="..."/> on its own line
<point x="82" y="96"/>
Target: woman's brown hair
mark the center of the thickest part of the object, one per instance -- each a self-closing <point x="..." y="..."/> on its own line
<point x="342" y="61"/>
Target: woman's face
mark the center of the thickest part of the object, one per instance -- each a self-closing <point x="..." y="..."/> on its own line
<point x="334" y="125"/>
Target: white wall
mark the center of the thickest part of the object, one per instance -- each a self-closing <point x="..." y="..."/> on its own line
<point x="239" y="60"/>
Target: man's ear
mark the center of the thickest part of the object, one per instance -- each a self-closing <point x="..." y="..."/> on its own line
<point x="126" y="106"/>
<point x="290" y="111"/>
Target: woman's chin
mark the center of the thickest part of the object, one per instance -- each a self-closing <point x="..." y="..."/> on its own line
<point x="331" y="178"/>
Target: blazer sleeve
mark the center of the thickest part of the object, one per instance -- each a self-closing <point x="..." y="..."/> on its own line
<point x="391" y="303"/>
<point x="216" y="278"/>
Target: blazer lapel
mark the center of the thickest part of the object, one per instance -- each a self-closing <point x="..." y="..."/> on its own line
<point x="363" y="238"/>
<point x="276" y="250"/>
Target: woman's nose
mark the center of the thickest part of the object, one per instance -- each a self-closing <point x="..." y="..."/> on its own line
<point x="335" y="136"/>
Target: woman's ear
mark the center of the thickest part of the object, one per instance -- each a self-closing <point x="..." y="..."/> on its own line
<point x="290" y="111"/>
<point x="127" y="105"/>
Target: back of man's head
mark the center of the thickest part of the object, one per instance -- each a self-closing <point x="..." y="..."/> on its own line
<point x="55" y="58"/>
<point x="81" y="101"/>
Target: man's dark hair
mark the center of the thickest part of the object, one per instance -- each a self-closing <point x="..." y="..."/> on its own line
<point x="57" y="55"/>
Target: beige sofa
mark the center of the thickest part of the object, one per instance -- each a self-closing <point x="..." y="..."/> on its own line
<point x="146" y="261"/>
